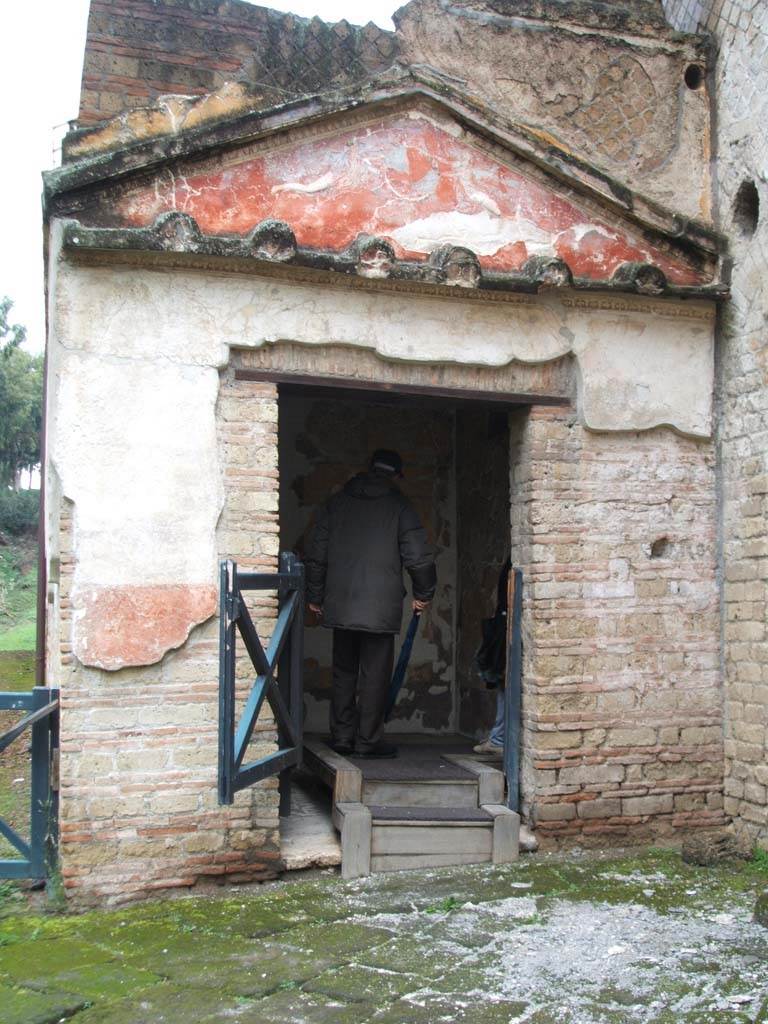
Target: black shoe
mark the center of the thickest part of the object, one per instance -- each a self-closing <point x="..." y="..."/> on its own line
<point x="345" y="749"/>
<point x="380" y="750"/>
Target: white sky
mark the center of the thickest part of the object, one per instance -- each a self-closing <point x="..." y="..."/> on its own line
<point x="40" y="89"/>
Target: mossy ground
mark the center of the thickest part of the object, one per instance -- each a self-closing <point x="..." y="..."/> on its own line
<point x="552" y="940"/>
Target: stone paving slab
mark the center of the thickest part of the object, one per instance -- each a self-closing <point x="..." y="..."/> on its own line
<point x="639" y="939"/>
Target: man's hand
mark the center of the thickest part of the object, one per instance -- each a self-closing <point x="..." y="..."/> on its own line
<point x="317" y="609"/>
<point x="420" y="606"/>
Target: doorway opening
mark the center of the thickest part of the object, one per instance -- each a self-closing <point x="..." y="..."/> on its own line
<point x="456" y="455"/>
<point x="456" y="459"/>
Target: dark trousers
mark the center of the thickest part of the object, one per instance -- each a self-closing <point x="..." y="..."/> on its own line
<point x="362" y="672"/>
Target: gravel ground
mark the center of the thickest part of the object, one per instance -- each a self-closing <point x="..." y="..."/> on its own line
<point x="642" y="938"/>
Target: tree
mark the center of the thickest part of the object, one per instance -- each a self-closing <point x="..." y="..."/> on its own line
<point x="11" y="335"/>
<point x="21" y="401"/>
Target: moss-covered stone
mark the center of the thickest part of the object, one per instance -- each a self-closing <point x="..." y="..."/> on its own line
<point x="258" y="973"/>
<point x="289" y="1006"/>
<point x="165" y="1003"/>
<point x="455" y="946"/>
<point x="33" y="964"/>
<point x="21" y="1006"/>
<point x="375" y="986"/>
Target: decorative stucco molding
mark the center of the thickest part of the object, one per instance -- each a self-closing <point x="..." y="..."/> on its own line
<point x="452" y="266"/>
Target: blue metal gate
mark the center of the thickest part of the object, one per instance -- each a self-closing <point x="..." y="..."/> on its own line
<point x="284" y="653"/>
<point x="37" y="856"/>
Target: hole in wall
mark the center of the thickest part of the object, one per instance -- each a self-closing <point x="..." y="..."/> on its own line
<point x="659" y="547"/>
<point x="694" y="76"/>
<point x="746" y="209"/>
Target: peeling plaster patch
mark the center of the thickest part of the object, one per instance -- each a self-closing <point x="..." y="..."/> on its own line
<point x="483" y="335"/>
<point x="643" y="362"/>
<point x="626" y="363"/>
<point x="133" y="441"/>
<point x="120" y="627"/>
<point x="309" y="189"/>
<point x="135" y="447"/>
<point x="483" y="233"/>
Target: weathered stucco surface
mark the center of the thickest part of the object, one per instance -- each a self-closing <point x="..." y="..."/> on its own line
<point x="134" y="447"/>
<point x="134" y="438"/>
<point x="606" y="84"/>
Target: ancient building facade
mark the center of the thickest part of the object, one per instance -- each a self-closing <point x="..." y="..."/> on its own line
<point x="541" y="242"/>
<point x="739" y="33"/>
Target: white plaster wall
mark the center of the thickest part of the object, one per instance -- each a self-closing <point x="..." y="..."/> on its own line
<point x="135" y="355"/>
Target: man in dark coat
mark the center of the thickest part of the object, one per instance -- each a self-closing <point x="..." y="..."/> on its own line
<point x="362" y="539"/>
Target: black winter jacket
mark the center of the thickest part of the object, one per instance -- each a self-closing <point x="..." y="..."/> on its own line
<point x="362" y="538"/>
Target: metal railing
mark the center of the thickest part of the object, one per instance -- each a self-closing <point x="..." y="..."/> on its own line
<point x="283" y="693"/>
<point x="42" y="717"/>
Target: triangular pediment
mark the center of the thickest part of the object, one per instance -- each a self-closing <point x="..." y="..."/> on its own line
<point x="414" y="174"/>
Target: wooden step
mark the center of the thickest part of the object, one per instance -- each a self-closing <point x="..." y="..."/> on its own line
<point x="416" y="778"/>
<point x="421" y="809"/>
<point x="416" y="815"/>
<point x="425" y="793"/>
<point x="401" y="838"/>
<point x="413" y="837"/>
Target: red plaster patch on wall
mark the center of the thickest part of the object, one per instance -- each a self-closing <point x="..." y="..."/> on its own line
<point x="407" y="180"/>
<point x="120" y="627"/>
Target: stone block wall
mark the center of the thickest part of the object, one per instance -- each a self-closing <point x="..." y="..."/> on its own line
<point x="622" y="704"/>
<point x="139" y="810"/>
<point x="740" y="33"/>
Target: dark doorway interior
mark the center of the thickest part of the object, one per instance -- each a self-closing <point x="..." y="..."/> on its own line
<point x="456" y="456"/>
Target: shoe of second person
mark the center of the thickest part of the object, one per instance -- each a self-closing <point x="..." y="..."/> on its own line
<point x="486" y="747"/>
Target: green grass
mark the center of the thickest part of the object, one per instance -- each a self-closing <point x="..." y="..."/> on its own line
<point x="19" y="638"/>
<point x="18" y="595"/>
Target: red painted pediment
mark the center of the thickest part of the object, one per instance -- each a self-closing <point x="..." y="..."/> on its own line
<point x="415" y="180"/>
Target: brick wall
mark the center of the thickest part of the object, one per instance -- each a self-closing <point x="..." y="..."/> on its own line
<point x="740" y="31"/>
<point x="139" y="807"/>
<point x="622" y="703"/>
<point x="191" y="47"/>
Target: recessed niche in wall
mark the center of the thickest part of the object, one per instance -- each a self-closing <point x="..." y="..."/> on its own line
<point x="746" y="209"/>
<point x="694" y="76"/>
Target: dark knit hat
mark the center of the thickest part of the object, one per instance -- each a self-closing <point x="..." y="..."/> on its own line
<point x="388" y="461"/>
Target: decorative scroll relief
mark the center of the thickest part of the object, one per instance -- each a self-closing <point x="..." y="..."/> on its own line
<point x="134" y="375"/>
